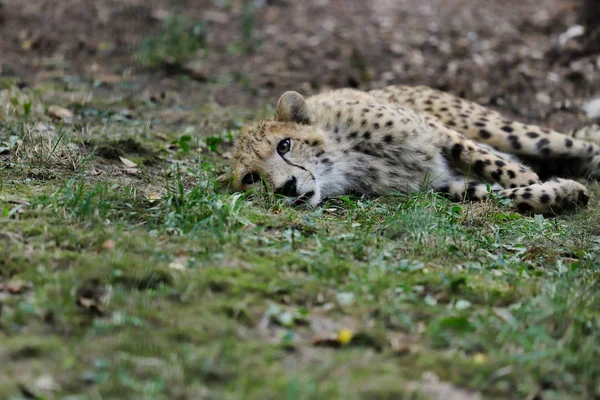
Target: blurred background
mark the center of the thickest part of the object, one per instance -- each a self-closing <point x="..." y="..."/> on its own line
<point x="538" y="60"/>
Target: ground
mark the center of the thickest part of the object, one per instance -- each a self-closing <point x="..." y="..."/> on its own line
<point x="124" y="273"/>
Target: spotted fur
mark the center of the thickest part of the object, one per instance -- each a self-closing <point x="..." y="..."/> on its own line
<point x="408" y="139"/>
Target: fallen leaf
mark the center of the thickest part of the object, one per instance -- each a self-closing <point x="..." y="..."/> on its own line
<point x="108" y="244"/>
<point x="196" y="70"/>
<point x="60" y="113"/>
<point x="15" y="287"/>
<point x="127" y="162"/>
<point x="160" y="135"/>
<point x="504" y="314"/>
<point x="178" y="263"/>
<point x="479" y="358"/>
<point x="345" y="298"/>
<point x="153" y="196"/>
<point x="46" y="383"/>
<point x="132" y="171"/>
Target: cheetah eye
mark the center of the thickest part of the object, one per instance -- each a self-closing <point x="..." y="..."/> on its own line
<point x="251" y="178"/>
<point x="284" y="146"/>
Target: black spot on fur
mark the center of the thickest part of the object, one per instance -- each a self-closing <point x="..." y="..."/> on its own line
<point x="480" y="124"/>
<point x="388" y="139"/>
<point x="352" y="135"/>
<point x="524" y="207"/>
<point x="511" y="174"/>
<point x="319" y="154"/>
<point x="568" y="143"/>
<point x="545" y="199"/>
<point x="500" y="163"/>
<point x="508" y="129"/>
<point x="526" y="195"/>
<point x="376" y="125"/>
<point x="471" y="193"/>
<point x="514" y="141"/>
<point x="363" y="122"/>
<point x="485" y="134"/>
<point x="478" y="166"/>
<point x="389" y="124"/>
<point x="542" y="143"/>
<point x="367" y="135"/>
<point x="456" y="150"/>
<point x="443" y="189"/>
<point x="532" y="135"/>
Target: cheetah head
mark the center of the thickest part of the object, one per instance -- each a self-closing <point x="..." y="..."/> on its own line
<point x="279" y="155"/>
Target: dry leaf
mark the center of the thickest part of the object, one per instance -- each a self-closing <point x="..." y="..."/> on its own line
<point x="160" y="135"/>
<point x="60" y="113"/>
<point x="127" y="162"/>
<point x="153" y="196"/>
<point x="178" y="263"/>
<point x="132" y="171"/>
<point x="15" y="287"/>
<point x="480" y="358"/>
<point x="108" y="244"/>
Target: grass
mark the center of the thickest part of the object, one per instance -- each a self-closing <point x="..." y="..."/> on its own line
<point x="178" y="41"/>
<point x="156" y="285"/>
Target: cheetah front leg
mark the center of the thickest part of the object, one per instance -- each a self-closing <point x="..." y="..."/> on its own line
<point x="474" y="160"/>
<point x="520" y="183"/>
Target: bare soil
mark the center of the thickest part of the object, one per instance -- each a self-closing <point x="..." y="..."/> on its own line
<point x="500" y="53"/>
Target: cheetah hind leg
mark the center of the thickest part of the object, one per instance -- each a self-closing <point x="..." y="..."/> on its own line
<point x="548" y="197"/>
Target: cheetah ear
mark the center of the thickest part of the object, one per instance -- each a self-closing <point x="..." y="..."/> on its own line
<point x="292" y="108"/>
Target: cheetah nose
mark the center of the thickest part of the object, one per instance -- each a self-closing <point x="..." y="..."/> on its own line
<point x="289" y="188"/>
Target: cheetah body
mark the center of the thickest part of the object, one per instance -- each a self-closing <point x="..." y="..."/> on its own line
<point x="407" y="139"/>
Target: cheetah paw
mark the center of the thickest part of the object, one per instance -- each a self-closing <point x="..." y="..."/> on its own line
<point x="549" y="197"/>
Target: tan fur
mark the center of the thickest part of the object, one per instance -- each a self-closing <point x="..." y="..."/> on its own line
<point x="407" y="139"/>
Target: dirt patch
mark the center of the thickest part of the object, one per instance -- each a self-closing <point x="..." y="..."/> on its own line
<point x="114" y="149"/>
<point x="504" y="54"/>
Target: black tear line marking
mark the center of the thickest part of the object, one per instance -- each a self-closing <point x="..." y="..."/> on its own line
<point x="298" y="166"/>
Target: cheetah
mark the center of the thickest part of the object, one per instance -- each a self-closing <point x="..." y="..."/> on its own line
<point x="408" y="139"/>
